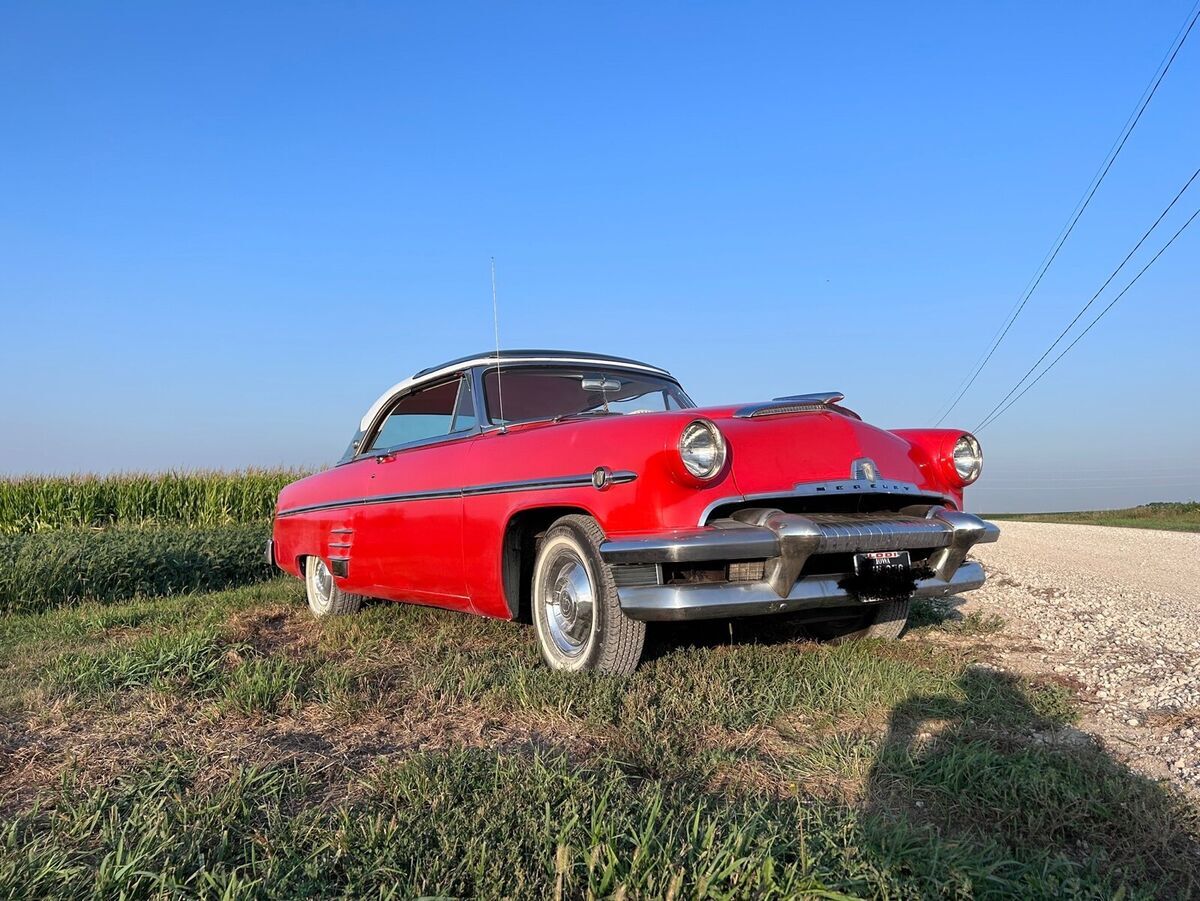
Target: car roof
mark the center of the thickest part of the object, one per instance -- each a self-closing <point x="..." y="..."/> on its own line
<point x="490" y="358"/>
<point x="573" y="356"/>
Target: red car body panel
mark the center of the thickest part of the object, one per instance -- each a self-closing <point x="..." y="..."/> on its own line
<point x="428" y="523"/>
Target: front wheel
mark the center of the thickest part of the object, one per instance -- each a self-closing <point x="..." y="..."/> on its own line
<point x="579" y="622"/>
<point x="886" y="620"/>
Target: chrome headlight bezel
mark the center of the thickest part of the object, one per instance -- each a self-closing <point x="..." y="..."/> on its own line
<point x="706" y="464"/>
<point x="966" y="458"/>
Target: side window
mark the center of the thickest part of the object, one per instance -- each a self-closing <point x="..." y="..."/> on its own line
<point x="423" y="414"/>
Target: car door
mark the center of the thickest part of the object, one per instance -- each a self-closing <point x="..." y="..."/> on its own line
<point x="409" y="537"/>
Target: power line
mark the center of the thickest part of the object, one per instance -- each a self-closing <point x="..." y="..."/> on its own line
<point x="1111" y="304"/>
<point x="1087" y="306"/>
<point x="1113" y="153"/>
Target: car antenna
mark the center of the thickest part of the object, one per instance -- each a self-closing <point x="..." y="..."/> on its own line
<point x="496" y="327"/>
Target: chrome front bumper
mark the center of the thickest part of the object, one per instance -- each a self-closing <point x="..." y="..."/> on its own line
<point x="786" y="542"/>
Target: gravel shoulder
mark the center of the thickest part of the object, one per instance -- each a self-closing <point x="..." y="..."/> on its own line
<point x="1116" y="613"/>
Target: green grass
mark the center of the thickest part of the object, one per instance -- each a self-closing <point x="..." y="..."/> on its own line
<point x="198" y="498"/>
<point x="486" y="824"/>
<point x="927" y="612"/>
<point x="1177" y="517"/>
<point x="228" y="745"/>
<point x="267" y="685"/>
<point x="191" y="659"/>
<point x="64" y="567"/>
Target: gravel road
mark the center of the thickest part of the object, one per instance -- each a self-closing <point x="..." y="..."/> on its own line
<point x="1117" y="612"/>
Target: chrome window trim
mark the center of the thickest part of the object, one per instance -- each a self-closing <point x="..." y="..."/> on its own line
<point x="414" y="445"/>
<point x="829" y="489"/>
<point x="573" y="481"/>
<point x="468" y="383"/>
<point x="474" y="370"/>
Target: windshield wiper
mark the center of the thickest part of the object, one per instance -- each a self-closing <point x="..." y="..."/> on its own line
<point x="597" y="412"/>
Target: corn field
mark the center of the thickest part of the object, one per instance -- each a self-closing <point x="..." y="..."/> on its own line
<point x="40" y="503"/>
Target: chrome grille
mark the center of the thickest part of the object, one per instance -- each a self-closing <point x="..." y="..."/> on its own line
<point x="841" y="533"/>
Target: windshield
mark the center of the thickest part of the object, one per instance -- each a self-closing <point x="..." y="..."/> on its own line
<point x="551" y="393"/>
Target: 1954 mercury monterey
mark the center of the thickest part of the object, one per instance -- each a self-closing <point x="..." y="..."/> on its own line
<point x="589" y="494"/>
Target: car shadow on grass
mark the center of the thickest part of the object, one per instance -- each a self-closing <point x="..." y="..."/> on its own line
<point x="663" y="639"/>
<point x="988" y="763"/>
<point x="1000" y="767"/>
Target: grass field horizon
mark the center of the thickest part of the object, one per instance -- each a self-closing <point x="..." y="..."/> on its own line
<point x="205" y="497"/>
<point x="1174" y="516"/>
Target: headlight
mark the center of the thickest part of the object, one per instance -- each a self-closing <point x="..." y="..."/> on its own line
<point x="702" y="449"/>
<point x="968" y="459"/>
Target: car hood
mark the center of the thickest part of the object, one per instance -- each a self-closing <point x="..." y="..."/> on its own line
<point x="769" y="453"/>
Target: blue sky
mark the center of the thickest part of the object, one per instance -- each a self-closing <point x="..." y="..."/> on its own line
<point x="224" y="229"/>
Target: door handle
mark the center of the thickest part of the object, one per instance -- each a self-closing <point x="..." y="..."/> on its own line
<point x="385" y="458"/>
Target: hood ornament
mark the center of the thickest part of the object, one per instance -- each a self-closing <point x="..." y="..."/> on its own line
<point x="864" y="468"/>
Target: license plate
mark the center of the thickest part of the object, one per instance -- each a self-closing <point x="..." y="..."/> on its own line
<point x="882" y="563"/>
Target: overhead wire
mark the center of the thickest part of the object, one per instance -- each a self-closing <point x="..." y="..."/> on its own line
<point x="1130" y="124"/>
<point x="1087" y="306"/>
<point x="1092" y="324"/>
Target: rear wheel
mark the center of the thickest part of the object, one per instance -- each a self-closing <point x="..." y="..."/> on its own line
<point x="324" y="597"/>
<point x="579" y="622"/>
<point x="886" y="620"/>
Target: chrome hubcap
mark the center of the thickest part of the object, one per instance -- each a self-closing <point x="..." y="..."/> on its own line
<point x="569" y="601"/>
<point x="322" y="582"/>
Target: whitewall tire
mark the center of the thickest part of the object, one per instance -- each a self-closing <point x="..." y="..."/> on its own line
<point x="579" y="622"/>
<point x="324" y="597"/>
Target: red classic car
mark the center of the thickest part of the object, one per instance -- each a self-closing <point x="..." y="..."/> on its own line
<point x="589" y="494"/>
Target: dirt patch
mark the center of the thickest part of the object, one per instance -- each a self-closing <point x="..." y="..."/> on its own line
<point x="817" y="757"/>
<point x="99" y="744"/>
<point x="273" y="630"/>
<point x="64" y="738"/>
